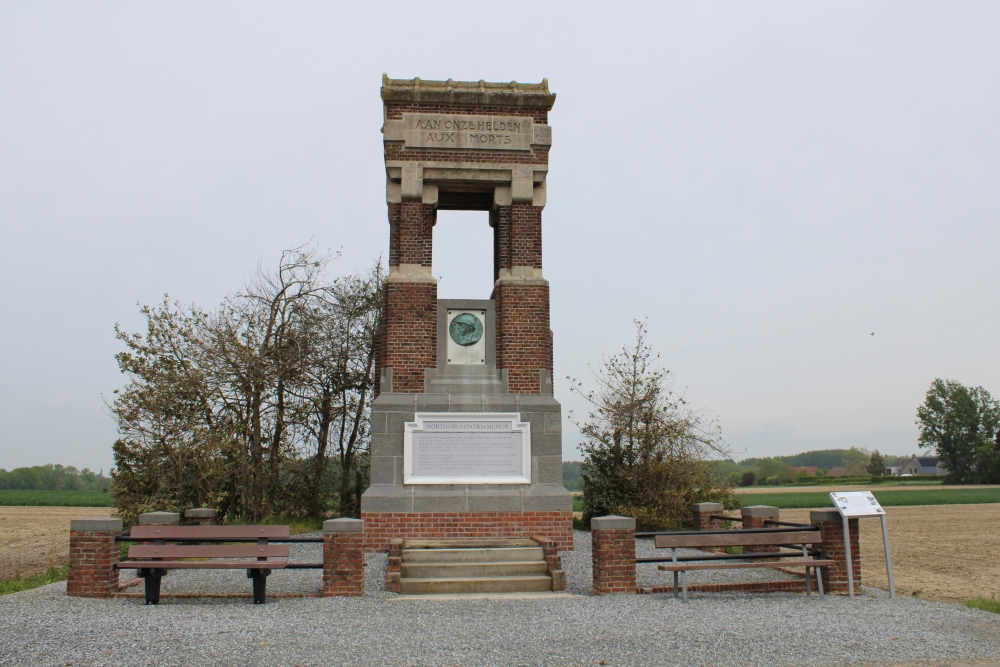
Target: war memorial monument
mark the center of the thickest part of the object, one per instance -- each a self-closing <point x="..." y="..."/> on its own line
<point x="466" y="432"/>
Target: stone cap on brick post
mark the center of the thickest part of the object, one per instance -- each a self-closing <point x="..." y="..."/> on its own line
<point x="754" y="516"/>
<point x="701" y="513"/>
<point x="96" y="524"/>
<point x="612" y="522"/>
<point x="159" y="519"/>
<point x="343" y="526"/>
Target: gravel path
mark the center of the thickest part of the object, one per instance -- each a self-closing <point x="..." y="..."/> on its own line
<point x="45" y="627"/>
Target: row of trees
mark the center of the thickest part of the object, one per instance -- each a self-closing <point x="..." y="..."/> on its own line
<point x="646" y="452"/>
<point x="856" y="462"/>
<point x="258" y="407"/>
<point x="51" y="477"/>
<point x="960" y="424"/>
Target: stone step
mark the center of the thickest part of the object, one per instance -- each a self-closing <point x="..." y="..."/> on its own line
<point x="469" y="542"/>
<point x="473" y="555"/>
<point x="456" y="570"/>
<point x="519" y="584"/>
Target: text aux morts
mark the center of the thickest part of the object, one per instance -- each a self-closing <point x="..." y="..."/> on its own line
<point x="478" y="132"/>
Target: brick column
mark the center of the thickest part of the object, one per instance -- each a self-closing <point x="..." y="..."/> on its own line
<point x="754" y="516"/>
<point x="93" y="554"/>
<point x="613" y="553"/>
<point x="343" y="557"/>
<point x="832" y="530"/>
<point x="394" y="571"/>
<point x="203" y="516"/>
<point x="701" y="513"/>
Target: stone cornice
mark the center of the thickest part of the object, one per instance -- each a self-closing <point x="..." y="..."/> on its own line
<point x="483" y="93"/>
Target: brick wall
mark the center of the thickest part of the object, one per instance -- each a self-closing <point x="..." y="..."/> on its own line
<point x="701" y="514"/>
<point x="613" y="554"/>
<point x="343" y="557"/>
<point x="93" y="554"/>
<point x="382" y="527"/>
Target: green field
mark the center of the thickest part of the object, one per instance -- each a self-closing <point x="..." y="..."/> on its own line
<point x="886" y="498"/>
<point x="10" y="497"/>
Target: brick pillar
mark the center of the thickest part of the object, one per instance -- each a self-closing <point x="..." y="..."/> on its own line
<point x="701" y="513"/>
<point x="159" y="519"/>
<point x="832" y="530"/>
<point x="203" y="516"/>
<point x="754" y="516"/>
<point x="93" y="554"/>
<point x="343" y="557"/>
<point x="394" y="572"/>
<point x="613" y="553"/>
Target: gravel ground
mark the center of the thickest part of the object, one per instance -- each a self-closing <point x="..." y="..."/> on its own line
<point x="45" y="627"/>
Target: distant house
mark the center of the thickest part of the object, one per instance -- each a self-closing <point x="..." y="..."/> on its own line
<point x="918" y="465"/>
<point x="812" y="471"/>
<point x="839" y="471"/>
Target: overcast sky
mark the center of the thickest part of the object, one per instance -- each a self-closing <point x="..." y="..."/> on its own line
<point x="767" y="183"/>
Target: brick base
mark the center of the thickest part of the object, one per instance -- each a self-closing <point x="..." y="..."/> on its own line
<point x="383" y="527"/>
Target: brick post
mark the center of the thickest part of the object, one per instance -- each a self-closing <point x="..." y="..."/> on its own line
<point x="93" y="554"/>
<point x="159" y="519"/>
<point x="394" y="572"/>
<point x="701" y="513"/>
<point x="343" y="557"/>
<point x="754" y="516"/>
<point x="832" y="530"/>
<point x="613" y="553"/>
<point x="203" y="516"/>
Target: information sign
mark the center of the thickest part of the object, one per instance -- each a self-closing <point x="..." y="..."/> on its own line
<point x="856" y="503"/>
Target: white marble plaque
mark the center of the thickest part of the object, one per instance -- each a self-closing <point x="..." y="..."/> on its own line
<point x="467" y="448"/>
<point x="459" y="132"/>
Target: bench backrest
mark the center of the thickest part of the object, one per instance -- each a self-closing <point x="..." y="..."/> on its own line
<point x="208" y="551"/>
<point x="209" y="532"/>
<point x="736" y="538"/>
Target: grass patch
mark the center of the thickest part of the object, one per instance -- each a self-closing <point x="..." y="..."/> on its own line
<point x="990" y="604"/>
<point x="578" y="503"/>
<point x="10" y="497"/>
<point x="889" y="498"/>
<point x="297" y="524"/>
<point x="17" y="584"/>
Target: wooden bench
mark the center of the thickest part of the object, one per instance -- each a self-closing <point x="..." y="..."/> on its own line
<point x="802" y="540"/>
<point x="169" y="547"/>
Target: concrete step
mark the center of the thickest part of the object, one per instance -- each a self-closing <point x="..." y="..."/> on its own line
<point x="455" y="570"/>
<point x="525" y="583"/>
<point x="473" y="555"/>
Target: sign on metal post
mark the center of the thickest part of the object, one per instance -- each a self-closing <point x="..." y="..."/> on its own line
<point x="861" y="504"/>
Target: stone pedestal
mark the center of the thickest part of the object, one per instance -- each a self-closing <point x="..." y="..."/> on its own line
<point x="93" y="554"/>
<point x="343" y="557"/>
<point x="159" y="519"/>
<point x="613" y="554"/>
<point x="831" y="528"/>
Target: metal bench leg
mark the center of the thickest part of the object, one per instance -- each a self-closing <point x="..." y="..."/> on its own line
<point x="684" y="582"/>
<point x="259" y="585"/>
<point x="805" y="556"/>
<point x="819" y="580"/>
<point x="676" y="585"/>
<point x="152" y="578"/>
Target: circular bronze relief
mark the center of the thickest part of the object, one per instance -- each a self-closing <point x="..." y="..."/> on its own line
<point x="466" y="329"/>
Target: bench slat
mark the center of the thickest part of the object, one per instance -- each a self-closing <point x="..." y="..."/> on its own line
<point x="203" y="565"/>
<point x="208" y="532"/>
<point x="681" y="567"/>
<point x="736" y="539"/>
<point x="208" y="551"/>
